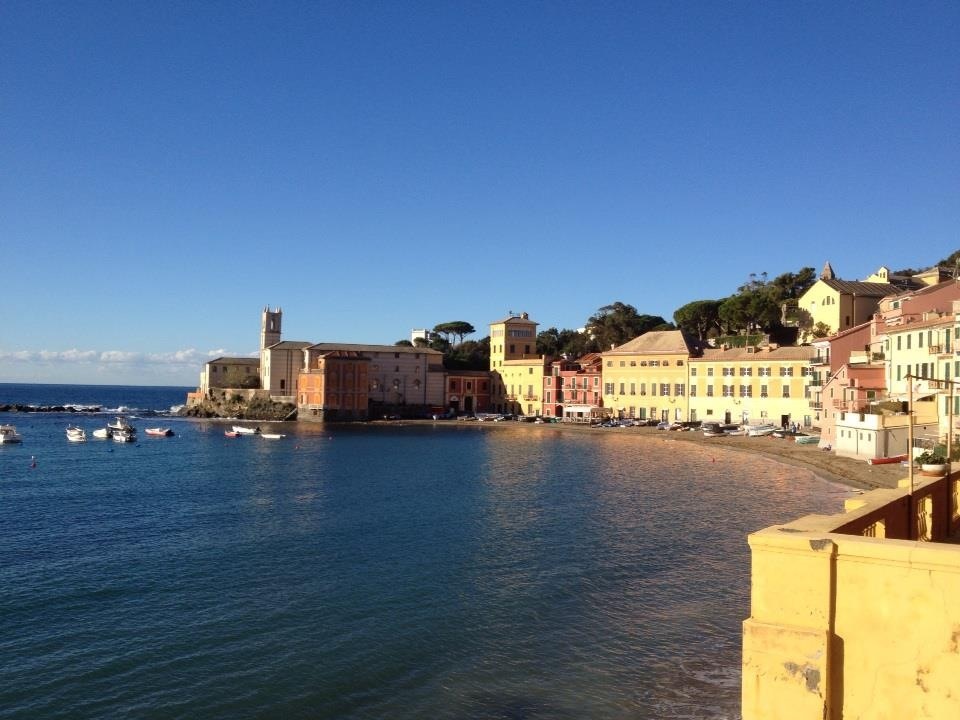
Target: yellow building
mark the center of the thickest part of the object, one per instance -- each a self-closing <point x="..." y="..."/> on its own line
<point x="516" y="370"/>
<point x="842" y="304"/>
<point x="767" y="384"/>
<point x="647" y="377"/>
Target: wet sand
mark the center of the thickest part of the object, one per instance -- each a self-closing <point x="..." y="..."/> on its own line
<point x="846" y="471"/>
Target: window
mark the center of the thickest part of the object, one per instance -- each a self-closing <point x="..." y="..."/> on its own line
<point x="745" y="371"/>
<point x="654" y="363"/>
<point x="709" y="390"/>
<point x="728" y="372"/>
<point x="763" y="372"/>
<point x="529" y="371"/>
<point x="609" y="363"/>
<point x="908" y="341"/>
<point x="728" y="390"/>
<point x="678" y="389"/>
<point x="919" y="339"/>
<point x="666" y="362"/>
<point x="633" y="388"/>
<point x="786" y="391"/>
<point x="709" y="372"/>
<point x="608" y="388"/>
<point x="763" y="391"/>
<point x="621" y="389"/>
<point x="693" y="391"/>
<point x="679" y="363"/>
<point x="899" y="338"/>
<point x="643" y="389"/>
<point x="396" y="356"/>
<point x="746" y="391"/>
<point x="453" y="384"/>
<point x="633" y="363"/>
<point x="786" y="372"/>
<point x="623" y="363"/>
<point x="693" y="372"/>
<point x="665" y="389"/>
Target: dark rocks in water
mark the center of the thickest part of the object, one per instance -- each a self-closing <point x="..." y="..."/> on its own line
<point x="18" y="407"/>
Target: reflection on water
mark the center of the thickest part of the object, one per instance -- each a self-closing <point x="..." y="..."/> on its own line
<point x="383" y="572"/>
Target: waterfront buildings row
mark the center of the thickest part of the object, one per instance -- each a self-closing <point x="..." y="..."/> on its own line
<point x="852" y="385"/>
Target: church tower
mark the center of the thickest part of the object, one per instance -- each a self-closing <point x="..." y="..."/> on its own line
<point x="270" y="327"/>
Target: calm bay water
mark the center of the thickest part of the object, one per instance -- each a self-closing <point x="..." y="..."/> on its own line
<point x="448" y="571"/>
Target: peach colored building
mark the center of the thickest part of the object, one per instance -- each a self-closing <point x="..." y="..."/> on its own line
<point x="467" y="391"/>
<point x="333" y="386"/>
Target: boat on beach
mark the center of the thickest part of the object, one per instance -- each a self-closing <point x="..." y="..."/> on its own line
<point x="9" y="435"/>
<point x="76" y="434"/>
<point x="894" y="459"/>
<point x="760" y="430"/>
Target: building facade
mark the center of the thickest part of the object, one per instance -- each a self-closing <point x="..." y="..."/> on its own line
<point x="573" y="389"/>
<point x="647" y="377"/>
<point x="516" y="369"/>
<point x="767" y="384"/>
<point x="333" y="386"/>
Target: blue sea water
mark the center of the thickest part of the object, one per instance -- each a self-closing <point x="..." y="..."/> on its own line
<point x="411" y="571"/>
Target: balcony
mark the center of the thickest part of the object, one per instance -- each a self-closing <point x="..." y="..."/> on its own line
<point x="530" y="397"/>
<point x="820" y="360"/>
<point x="935" y="349"/>
<point x="816" y="405"/>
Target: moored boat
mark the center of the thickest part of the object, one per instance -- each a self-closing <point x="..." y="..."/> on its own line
<point x="232" y="433"/>
<point x="102" y="433"/>
<point x="159" y="432"/>
<point x="76" y="434"/>
<point x="245" y="430"/>
<point x="9" y="435"/>
<point x="888" y="460"/>
<point x="272" y="436"/>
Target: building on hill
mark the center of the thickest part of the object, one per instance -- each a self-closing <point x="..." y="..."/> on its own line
<point x="516" y="370"/>
<point x="843" y="304"/>
<point x="766" y="384"/>
<point x="646" y="378"/>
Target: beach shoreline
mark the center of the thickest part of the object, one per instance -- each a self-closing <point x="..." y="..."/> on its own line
<point x="850" y="472"/>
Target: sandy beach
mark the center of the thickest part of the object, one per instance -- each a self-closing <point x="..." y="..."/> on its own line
<point x="847" y="471"/>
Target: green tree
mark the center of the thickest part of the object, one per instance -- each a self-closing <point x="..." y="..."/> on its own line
<point x="615" y="324"/>
<point x="698" y="318"/>
<point x="458" y="329"/>
<point x="403" y="343"/>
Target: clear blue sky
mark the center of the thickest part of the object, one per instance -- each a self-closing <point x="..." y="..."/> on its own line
<point x="169" y="168"/>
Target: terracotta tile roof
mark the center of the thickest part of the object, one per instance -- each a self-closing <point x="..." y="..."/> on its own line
<point x="654" y="342"/>
<point x="235" y="360"/>
<point x="403" y="349"/>
<point x="761" y="354"/>
<point x="289" y="345"/>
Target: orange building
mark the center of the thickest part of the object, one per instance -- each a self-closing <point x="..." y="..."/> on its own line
<point x="467" y="391"/>
<point x="334" y="386"/>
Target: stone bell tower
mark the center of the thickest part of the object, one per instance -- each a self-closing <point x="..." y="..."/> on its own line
<point x="270" y="322"/>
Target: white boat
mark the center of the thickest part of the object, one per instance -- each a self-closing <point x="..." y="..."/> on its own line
<point x="159" y="432"/>
<point x="126" y="435"/>
<point x="76" y="434"/>
<point x="245" y="430"/>
<point x="101" y="433"/>
<point x="272" y="436"/>
<point x="121" y="425"/>
<point x="760" y="430"/>
<point x="8" y="434"/>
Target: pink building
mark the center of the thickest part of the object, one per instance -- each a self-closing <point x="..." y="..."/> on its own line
<point x="572" y="389"/>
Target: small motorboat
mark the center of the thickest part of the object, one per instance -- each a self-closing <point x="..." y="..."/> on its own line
<point x="232" y="434"/>
<point x="245" y="430"/>
<point x="76" y="434"/>
<point x="102" y="433"/>
<point x="128" y="435"/>
<point x="159" y="432"/>
<point x="9" y="435"/>
<point x="272" y="436"/>
<point x="761" y="430"/>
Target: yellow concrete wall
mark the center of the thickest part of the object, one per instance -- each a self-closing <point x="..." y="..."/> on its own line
<point x="847" y="627"/>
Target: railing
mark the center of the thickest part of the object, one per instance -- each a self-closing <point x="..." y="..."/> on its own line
<point x="935" y="349"/>
<point x="820" y="360"/>
<point x="529" y="397"/>
<point x="816" y="405"/>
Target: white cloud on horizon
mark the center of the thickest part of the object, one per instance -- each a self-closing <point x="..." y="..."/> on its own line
<point x="187" y="357"/>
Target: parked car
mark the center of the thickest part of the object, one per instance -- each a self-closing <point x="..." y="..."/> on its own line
<point x="663" y="425"/>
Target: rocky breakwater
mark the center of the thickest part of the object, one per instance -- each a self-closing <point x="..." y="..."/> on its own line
<point x="241" y="408"/>
<point x="18" y="407"/>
